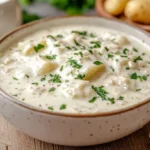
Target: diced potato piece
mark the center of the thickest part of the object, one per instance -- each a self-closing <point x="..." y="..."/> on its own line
<point x="93" y="70"/>
<point x="77" y="89"/>
<point x="28" y="47"/>
<point x="122" y="40"/>
<point x="46" y="67"/>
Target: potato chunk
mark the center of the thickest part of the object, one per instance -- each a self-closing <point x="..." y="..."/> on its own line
<point x="46" y="67"/>
<point x="28" y="47"/>
<point x="93" y="70"/>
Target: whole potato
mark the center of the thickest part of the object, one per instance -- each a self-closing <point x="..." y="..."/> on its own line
<point x="115" y="7"/>
<point x="138" y="11"/>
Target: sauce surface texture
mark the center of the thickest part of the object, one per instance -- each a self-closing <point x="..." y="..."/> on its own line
<point x="77" y="70"/>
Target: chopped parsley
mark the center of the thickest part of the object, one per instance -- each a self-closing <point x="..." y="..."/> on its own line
<point x="125" y="51"/>
<point x="59" y="36"/>
<point x="50" y="57"/>
<point x="76" y="43"/>
<point x="27" y="75"/>
<point x="52" y="89"/>
<point x="15" y="78"/>
<point x="103" y="93"/>
<point x="110" y="55"/>
<point x="137" y="59"/>
<point x="68" y="47"/>
<point x="91" y="52"/>
<point x="23" y="99"/>
<point x="80" y="76"/>
<point x="56" y="45"/>
<point x="56" y="78"/>
<point x="38" y="47"/>
<point x="74" y="63"/>
<point x="83" y="33"/>
<point x="61" y="68"/>
<point x="100" y="53"/>
<point x="100" y="91"/>
<point x="35" y="83"/>
<point x="121" y="98"/>
<point x="63" y="106"/>
<point x="127" y="68"/>
<point x="138" y="90"/>
<point x="52" y="37"/>
<point x="50" y="108"/>
<point x="92" y="35"/>
<point x="134" y="49"/>
<point x="112" y="100"/>
<point x="124" y="56"/>
<point x="134" y="76"/>
<point x="93" y="100"/>
<point x="97" y="63"/>
<point x="96" y="44"/>
<point x="43" y="79"/>
<point x="80" y="53"/>
<point x="112" y="68"/>
<point x="106" y="48"/>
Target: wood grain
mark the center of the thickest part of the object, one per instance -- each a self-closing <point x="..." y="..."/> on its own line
<point x="10" y="139"/>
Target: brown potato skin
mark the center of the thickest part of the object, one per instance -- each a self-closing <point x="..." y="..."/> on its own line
<point x="138" y="11"/>
<point x="115" y="7"/>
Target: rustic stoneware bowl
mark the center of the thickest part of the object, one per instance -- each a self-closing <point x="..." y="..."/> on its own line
<point x="67" y="129"/>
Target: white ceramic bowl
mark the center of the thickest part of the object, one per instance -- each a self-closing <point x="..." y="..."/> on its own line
<point x="67" y="129"/>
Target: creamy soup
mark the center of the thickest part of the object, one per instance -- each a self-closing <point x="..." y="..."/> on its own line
<point x="77" y="69"/>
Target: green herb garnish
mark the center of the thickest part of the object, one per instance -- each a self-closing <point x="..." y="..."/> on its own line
<point x="137" y="59"/>
<point x="51" y="57"/>
<point x="74" y="63"/>
<point x="138" y="90"/>
<point x="92" y="100"/>
<point x="121" y="98"/>
<point x="52" y="37"/>
<point x="83" y="33"/>
<point x="134" y="49"/>
<point x="100" y="91"/>
<point x="63" y="106"/>
<point x="15" y="78"/>
<point x="76" y="43"/>
<point x="106" y="48"/>
<point x="97" y="63"/>
<point x="35" y="83"/>
<point x="43" y="79"/>
<point x="134" y="76"/>
<point x="59" y="36"/>
<point x="27" y="75"/>
<point x="50" y="108"/>
<point x="110" y="55"/>
<point x="61" y="68"/>
<point x="52" y="89"/>
<point x="38" y="47"/>
<point x="80" y="76"/>
<point x="56" y="78"/>
<point x="112" y="100"/>
<point x="125" y="51"/>
<point x="97" y="44"/>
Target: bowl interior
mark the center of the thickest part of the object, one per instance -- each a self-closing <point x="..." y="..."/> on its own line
<point x="91" y="21"/>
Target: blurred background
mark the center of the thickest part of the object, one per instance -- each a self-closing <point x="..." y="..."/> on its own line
<point x="13" y="13"/>
<point x="35" y="9"/>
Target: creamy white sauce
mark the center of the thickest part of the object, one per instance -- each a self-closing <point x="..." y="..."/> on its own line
<point x="99" y="70"/>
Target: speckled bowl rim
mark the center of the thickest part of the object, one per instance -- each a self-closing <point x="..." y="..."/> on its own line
<point x="36" y="109"/>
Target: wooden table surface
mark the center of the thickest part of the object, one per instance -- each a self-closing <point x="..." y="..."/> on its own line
<point x="10" y="139"/>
